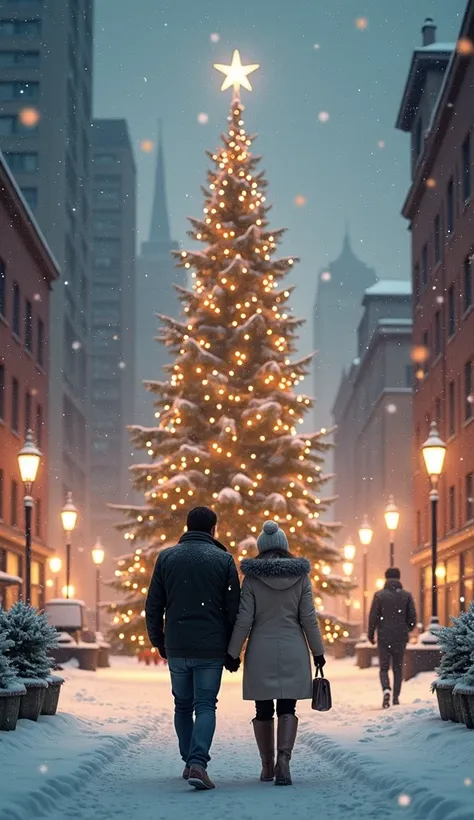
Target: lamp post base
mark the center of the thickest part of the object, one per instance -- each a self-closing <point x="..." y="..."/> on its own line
<point x="430" y="636"/>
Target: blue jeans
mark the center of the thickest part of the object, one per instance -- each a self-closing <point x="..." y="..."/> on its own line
<point x="195" y="684"/>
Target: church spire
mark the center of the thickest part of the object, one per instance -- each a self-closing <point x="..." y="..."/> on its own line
<point x="159" y="225"/>
<point x="346" y="245"/>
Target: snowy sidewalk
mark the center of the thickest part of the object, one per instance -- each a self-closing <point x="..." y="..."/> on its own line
<point x="114" y="755"/>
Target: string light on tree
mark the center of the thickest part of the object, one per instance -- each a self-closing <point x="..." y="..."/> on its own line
<point x="227" y="418"/>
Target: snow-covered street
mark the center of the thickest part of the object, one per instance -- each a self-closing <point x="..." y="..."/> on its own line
<point x="112" y="753"/>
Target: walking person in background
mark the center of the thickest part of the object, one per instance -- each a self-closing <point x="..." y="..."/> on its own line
<point x="392" y="616"/>
<point x="277" y="613"/>
<point x="195" y="586"/>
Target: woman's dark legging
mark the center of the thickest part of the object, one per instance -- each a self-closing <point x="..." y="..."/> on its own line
<point x="266" y="708"/>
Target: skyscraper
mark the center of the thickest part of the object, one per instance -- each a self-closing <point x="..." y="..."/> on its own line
<point x="156" y="278"/>
<point x="112" y="323"/>
<point x="45" y="117"/>
<point x="337" y="314"/>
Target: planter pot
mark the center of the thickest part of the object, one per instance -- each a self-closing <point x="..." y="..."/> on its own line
<point x="466" y="698"/>
<point x="32" y="703"/>
<point x="51" y="697"/>
<point x="103" y="656"/>
<point x="444" y="693"/>
<point x="458" y="715"/>
<point x="10" y="700"/>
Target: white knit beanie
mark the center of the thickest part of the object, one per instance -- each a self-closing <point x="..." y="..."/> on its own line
<point x="271" y="538"/>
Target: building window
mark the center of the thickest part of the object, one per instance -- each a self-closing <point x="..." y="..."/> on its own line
<point x="466" y="168"/>
<point x="39" y="425"/>
<point x="451" y="409"/>
<point x="16" y="309"/>
<point x="28" y="326"/>
<point x="20" y="161"/>
<point x="467" y="290"/>
<point x="437" y="333"/>
<point x="28" y="408"/>
<point x="3" y="290"/>
<point x="409" y="376"/>
<point x="20" y="28"/>
<point x="452" y="508"/>
<point x="40" y="343"/>
<point x="2" y="391"/>
<point x="424" y="265"/>
<point x="451" y="312"/>
<point x="31" y="197"/>
<point x="469" y="496"/>
<point x="416" y="283"/>
<point x="15" y="406"/>
<point x="437" y="239"/>
<point x="450" y="206"/>
<point x="468" y="389"/>
<point x="25" y="59"/>
<point x="19" y="91"/>
<point x="14" y="504"/>
<point x="1" y="495"/>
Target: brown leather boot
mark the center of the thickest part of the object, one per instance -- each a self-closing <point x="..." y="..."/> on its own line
<point x="286" y="736"/>
<point x="265" y="736"/>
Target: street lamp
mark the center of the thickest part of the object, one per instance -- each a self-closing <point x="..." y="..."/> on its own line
<point x="69" y="518"/>
<point x="348" y="568"/>
<point x="434" y="453"/>
<point x="392" y="518"/>
<point x="349" y="550"/>
<point x="29" y="459"/>
<point x="366" y="534"/>
<point x="98" y="555"/>
<point x="56" y="565"/>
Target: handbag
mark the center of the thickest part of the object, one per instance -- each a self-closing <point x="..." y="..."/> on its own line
<point x="322" y="699"/>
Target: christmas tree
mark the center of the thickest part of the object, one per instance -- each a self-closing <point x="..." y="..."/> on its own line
<point x="227" y="419"/>
<point x="457" y="649"/>
<point x="7" y="673"/>
<point x="31" y="639"/>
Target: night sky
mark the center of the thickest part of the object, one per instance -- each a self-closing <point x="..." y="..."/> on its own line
<point x="346" y="58"/>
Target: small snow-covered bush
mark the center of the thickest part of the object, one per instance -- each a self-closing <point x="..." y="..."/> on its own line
<point x="7" y="673"/>
<point x="31" y="638"/>
<point x="457" y="647"/>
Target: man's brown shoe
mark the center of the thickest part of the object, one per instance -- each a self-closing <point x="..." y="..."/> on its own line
<point x="199" y="778"/>
<point x="186" y="773"/>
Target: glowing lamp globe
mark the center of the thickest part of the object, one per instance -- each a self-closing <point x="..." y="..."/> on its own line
<point x="55" y="565"/>
<point x="68" y="592"/>
<point x="28" y="460"/>
<point x="98" y="553"/>
<point x="434" y="453"/>
<point x="347" y="568"/>
<point x="392" y="515"/>
<point x="349" y="550"/>
<point x="366" y="532"/>
<point x="380" y="583"/>
<point x="69" y="514"/>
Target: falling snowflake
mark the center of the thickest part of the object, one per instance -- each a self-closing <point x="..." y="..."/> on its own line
<point x="300" y="200"/>
<point x="404" y="800"/>
<point x="323" y="116"/>
<point x="215" y="37"/>
<point x="440" y="300"/>
<point x="381" y="144"/>
<point x="147" y="146"/>
<point x="29" y="117"/>
<point x="76" y="345"/>
<point x="362" y="23"/>
<point x="467" y="781"/>
<point x="326" y="276"/>
<point x="37" y="297"/>
<point x="202" y="118"/>
<point x="316" y="46"/>
<point x="43" y="769"/>
<point x="391" y="408"/>
<point x="122" y="365"/>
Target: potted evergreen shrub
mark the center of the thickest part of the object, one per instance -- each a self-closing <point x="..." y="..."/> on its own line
<point x="51" y="698"/>
<point x="32" y="637"/>
<point x="456" y="644"/>
<point x="11" y="690"/>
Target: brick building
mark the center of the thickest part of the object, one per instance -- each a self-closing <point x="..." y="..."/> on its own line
<point x="438" y="112"/>
<point x="27" y="272"/>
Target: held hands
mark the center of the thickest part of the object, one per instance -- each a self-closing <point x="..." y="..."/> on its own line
<point x="319" y="661"/>
<point x="231" y="664"/>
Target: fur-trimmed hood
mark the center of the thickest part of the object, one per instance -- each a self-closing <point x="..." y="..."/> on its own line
<point x="278" y="573"/>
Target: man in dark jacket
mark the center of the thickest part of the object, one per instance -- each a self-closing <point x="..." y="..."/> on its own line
<point x="196" y="584"/>
<point x="393" y="615"/>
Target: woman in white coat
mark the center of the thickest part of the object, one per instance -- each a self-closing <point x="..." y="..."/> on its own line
<point x="277" y="613"/>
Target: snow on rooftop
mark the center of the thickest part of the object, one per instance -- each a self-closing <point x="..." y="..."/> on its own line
<point x="437" y="47"/>
<point x="390" y="287"/>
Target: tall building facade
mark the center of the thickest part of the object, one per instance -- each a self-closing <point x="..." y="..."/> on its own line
<point x="437" y="104"/>
<point x="45" y="119"/>
<point x="27" y="272"/>
<point x="337" y="313"/>
<point x="156" y="294"/>
<point x="112" y="345"/>
<point x="373" y="414"/>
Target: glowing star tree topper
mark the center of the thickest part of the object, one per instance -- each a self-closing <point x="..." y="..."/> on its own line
<point x="236" y="74"/>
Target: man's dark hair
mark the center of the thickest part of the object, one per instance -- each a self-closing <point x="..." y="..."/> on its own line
<point x="393" y="574"/>
<point x="201" y="519"/>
